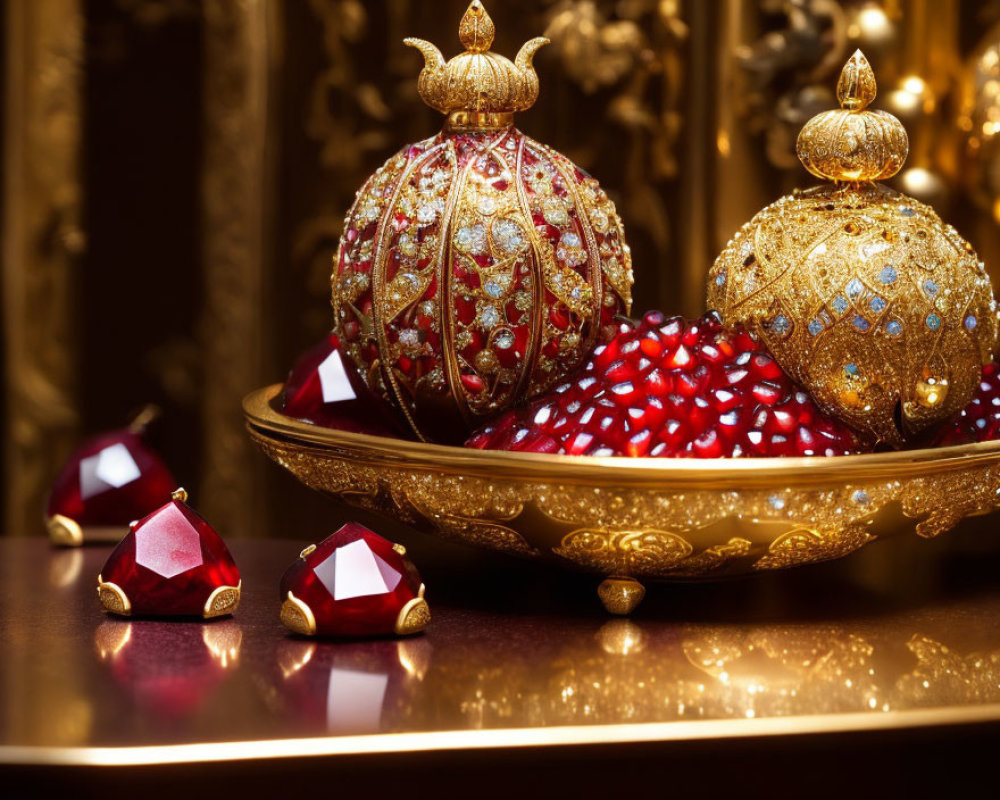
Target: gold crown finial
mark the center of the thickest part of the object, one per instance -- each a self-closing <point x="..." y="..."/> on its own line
<point x="476" y="31"/>
<point x="478" y="89"/>
<point x="853" y="144"/>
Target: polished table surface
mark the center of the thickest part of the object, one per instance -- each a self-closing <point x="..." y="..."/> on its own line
<point x="903" y="635"/>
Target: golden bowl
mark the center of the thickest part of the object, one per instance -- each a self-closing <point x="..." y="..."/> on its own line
<point x="630" y="520"/>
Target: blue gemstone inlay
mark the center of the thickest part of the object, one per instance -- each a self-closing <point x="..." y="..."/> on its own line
<point x="781" y="325"/>
<point x="839" y="304"/>
<point x="855" y="288"/>
<point x="815" y="327"/>
<point x="893" y="328"/>
<point x="933" y="321"/>
<point x="930" y="287"/>
<point x="877" y="304"/>
<point x="851" y="370"/>
<point x="971" y="322"/>
<point x="888" y="275"/>
<point x="720" y="279"/>
<point x="906" y="211"/>
<point x="860" y="497"/>
<point x="861" y="323"/>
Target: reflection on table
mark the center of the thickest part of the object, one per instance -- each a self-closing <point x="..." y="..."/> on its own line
<point x="515" y="646"/>
<point x="348" y="687"/>
<point x="168" y="668"/>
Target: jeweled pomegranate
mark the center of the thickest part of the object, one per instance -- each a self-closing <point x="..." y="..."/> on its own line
<point x="478" y="267"/>
<point x="673" y="388"/>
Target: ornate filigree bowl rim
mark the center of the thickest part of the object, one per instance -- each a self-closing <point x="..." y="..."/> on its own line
<point x="732" y="473"/>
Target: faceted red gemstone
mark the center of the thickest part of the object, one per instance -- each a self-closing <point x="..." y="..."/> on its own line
<point x="354" y="583"/>
<point x="351" y="329"/>
<point x="111" y="480"/>
<point x="325" y="389"/>
<point x="170" y="562"/>
<point x="673" y="388"/>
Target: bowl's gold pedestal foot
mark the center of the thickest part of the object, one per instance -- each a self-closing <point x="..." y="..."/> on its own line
<point x="620" y="595"/>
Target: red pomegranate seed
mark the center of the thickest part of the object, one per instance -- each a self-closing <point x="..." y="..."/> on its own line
<point x="673" y="388"/>
<point x="680" y="358"/>
<point x="980" y="420"/>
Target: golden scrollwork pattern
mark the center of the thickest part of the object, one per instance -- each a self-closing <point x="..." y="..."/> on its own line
<point x="807" y="547"/>
<point x="635" y="553"/>
<point x="470" y="511"/>
<point x="712" y="558"/>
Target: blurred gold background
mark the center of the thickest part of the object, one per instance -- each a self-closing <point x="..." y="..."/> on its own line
<point x="176" y="173"/>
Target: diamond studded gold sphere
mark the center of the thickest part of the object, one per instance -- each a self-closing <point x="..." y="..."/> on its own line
<point x="877" y="307"/>
<point x="477" y="267"/>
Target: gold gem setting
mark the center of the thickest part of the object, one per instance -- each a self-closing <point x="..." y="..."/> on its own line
<point x="297" y="616"/>
<point x="223" y="601"/>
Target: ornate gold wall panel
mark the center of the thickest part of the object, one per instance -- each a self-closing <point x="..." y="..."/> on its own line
<point x="42" y="245"/>
<point x="237" y="193"/>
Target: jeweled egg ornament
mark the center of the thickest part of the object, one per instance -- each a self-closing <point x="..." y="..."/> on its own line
<point x="477" y="267"/>
<point x="882" y="311"/>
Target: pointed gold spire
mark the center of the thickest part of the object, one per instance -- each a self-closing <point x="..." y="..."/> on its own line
<point x="853" y="144"/>
<point x="856" y="87"/>
<point x="476" y="30"/>
<point x="478" y="89"/>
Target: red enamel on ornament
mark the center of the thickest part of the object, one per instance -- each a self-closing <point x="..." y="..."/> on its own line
<point x="325" y="389"/>
<point x="353" y="583"/>
<point x="171" y="563"/>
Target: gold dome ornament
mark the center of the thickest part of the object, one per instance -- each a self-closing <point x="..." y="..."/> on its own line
<point x="478" y="88"/>
<point x="871" y="302"/>
<point x="478" y="267"/>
